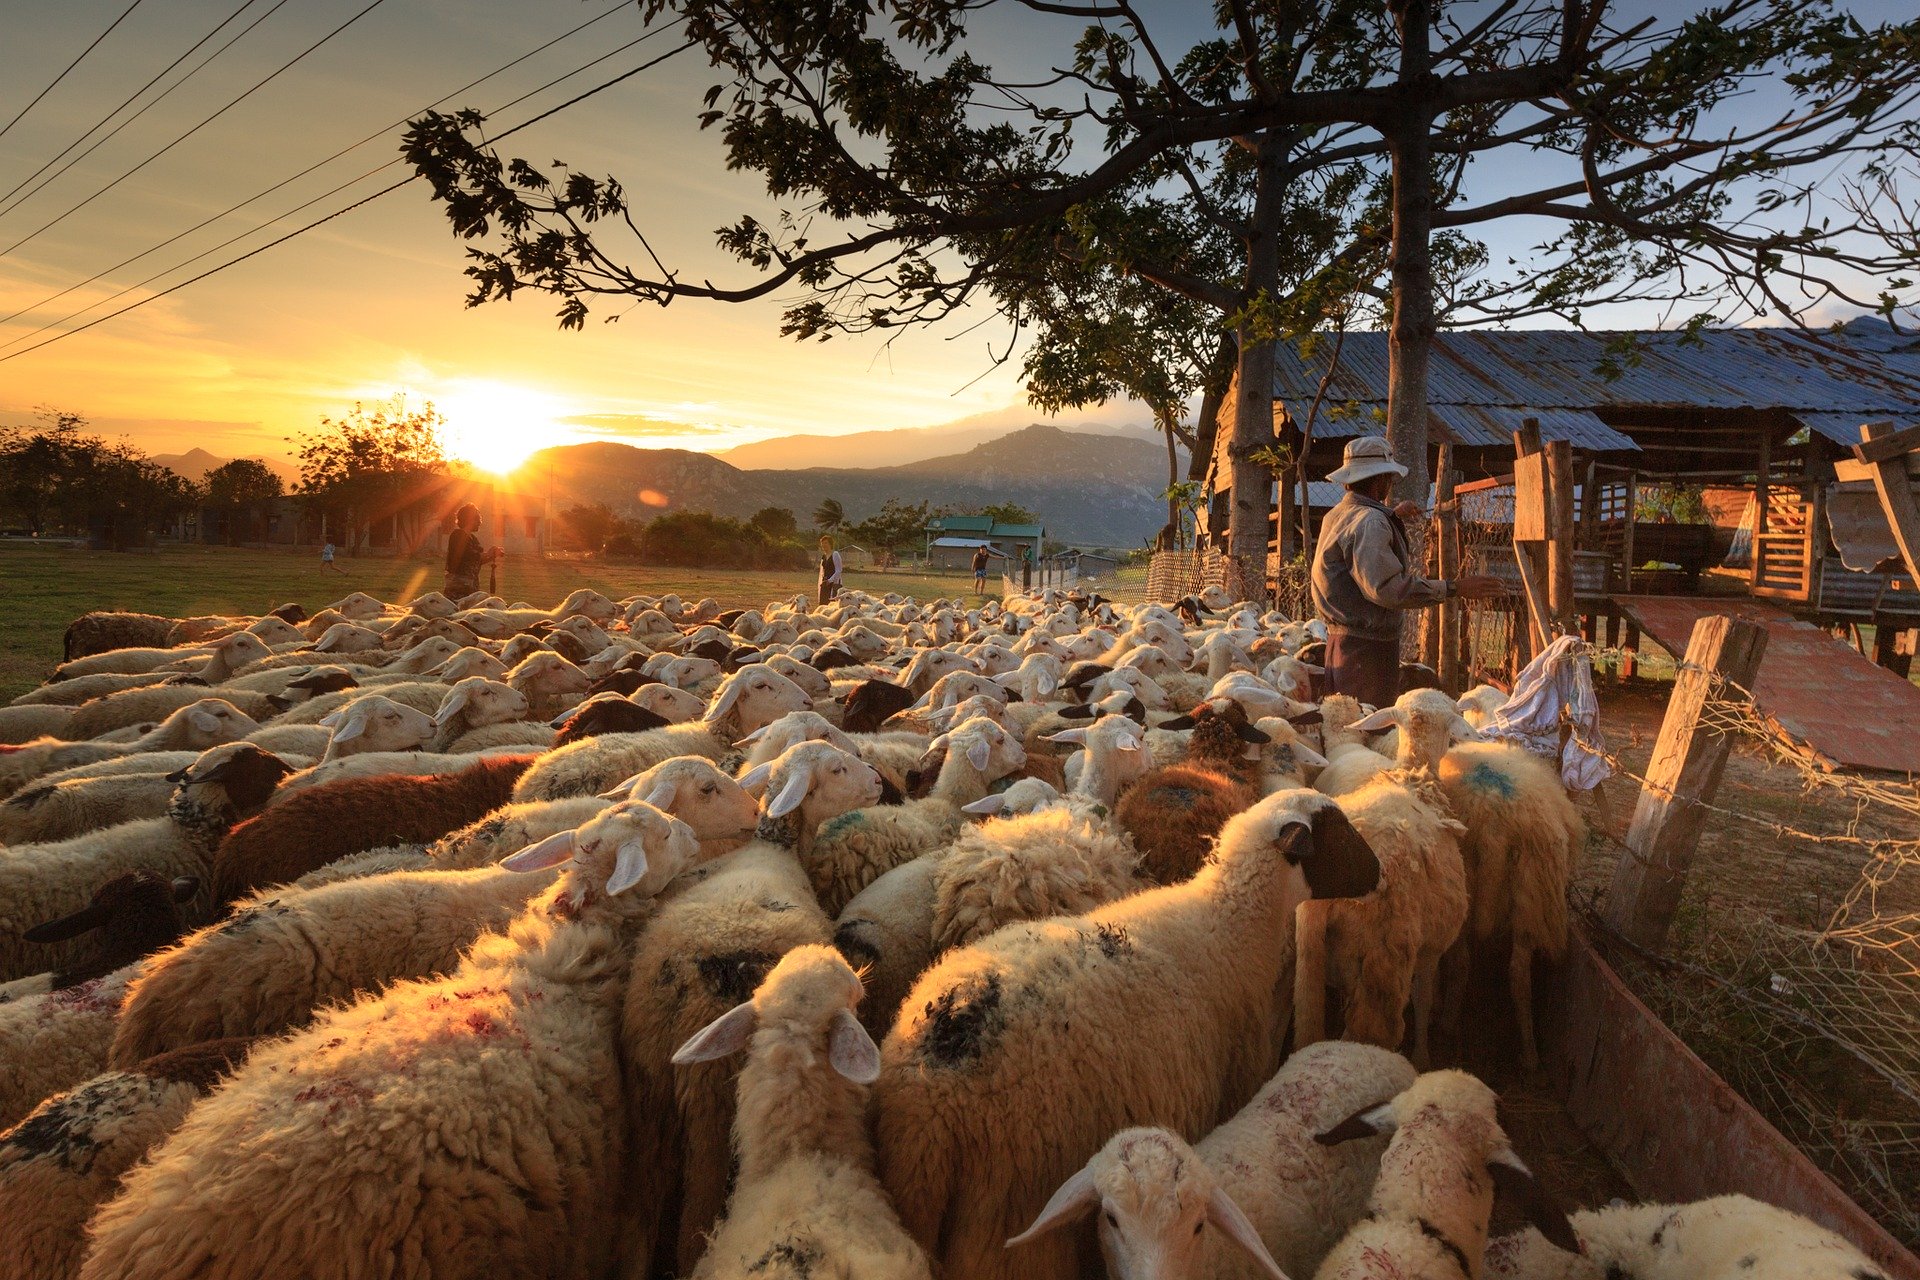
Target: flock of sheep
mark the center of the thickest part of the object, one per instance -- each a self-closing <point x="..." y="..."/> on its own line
<point x="866" y="941"/>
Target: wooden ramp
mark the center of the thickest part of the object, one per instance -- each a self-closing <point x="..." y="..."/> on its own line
<point x="1821" y="691"/>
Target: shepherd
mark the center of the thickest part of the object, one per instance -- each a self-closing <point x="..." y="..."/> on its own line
<point x="465" y="555"/>
<point x="829" y="571"/>
<point x="1364" y="579"/>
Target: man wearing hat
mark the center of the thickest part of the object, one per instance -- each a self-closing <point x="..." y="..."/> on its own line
<point x="1363" y="576"/>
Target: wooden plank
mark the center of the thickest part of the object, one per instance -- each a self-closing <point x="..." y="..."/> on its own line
<point x="1530" y="530"/>
<point x="1452" y="614"/>
<point x="1683" y="774"/>
<point x="1896" y="496"/>
<point x="1559" y="455"/>
<point x="1530" y="498"/>
<point x="1885" y="443"/>
<point x="1758" y="570"/>
<point x="1478" y="486"/>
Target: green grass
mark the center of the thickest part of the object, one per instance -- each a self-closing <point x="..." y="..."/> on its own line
<point x="42" y="588"/>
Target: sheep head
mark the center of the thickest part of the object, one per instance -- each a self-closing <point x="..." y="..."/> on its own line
<point x="809" y="997"/>
<point x="481" y="702"/>
<point x="631" y="846"/>
<point x="753" y="696"/>
<point x="372" y="722"/>
<point x="700" y="794"/>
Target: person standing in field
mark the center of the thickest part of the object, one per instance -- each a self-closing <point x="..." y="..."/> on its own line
<point x="326" y="560"/>
<point x="980" y="558"/>
<point x="830" y="567"/>
<point x="465" y="555"/>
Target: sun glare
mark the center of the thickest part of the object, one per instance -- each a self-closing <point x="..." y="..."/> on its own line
<point x="495" y="426"/>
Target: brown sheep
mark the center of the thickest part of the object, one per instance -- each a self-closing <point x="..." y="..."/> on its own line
<point x="1174" y="813"/>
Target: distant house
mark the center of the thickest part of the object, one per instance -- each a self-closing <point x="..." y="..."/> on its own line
<point x="952" y="540"/>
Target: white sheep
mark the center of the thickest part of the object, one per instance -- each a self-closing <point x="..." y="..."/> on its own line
<point x="207" y="722"/>
<point x="1277" y="1199"/>
<point x="886" y="931"/>
<point x="473" y="703"/>
<point x="21" y="724"/>
<point x="497" y="1086"/>
<point x="374" y="722"/>
<point x="1157" y="1009"/>
<point x="1054" y="861"/>
<point x="1114" y="758"/>
<point x="1427" y="1216"/>
<point x="806" y="1184"/>
<point x="52" y="1041"/>
<point x="550" y="683"/>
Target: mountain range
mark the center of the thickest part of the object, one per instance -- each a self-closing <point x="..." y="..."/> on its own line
<point x="865" y="450"/>
<point x="1090" y="488"/>
<point x="196" y="462"/>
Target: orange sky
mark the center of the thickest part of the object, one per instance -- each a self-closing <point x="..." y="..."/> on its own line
<point x="372" y="303"/>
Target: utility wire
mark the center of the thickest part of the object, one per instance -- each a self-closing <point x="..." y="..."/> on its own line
<point x="232" y="209"/>
<point x="384" y="191"/>
<point x="257" y="85"/>
<point x="102" y="122"/>
<point x="70" y="66"/>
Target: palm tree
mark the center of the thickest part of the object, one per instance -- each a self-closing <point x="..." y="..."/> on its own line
<point x="829" y="515"/>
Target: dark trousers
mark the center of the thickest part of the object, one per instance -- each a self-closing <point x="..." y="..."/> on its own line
<point x="828" y="590"/>
<point x="1368" y="670"/>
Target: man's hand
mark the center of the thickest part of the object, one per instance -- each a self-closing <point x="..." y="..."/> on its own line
<point x="1407" y="510"/>
<point x="1478" y="586"/>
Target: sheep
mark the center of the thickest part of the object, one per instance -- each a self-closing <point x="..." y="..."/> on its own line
<point x="1174" y="812"/>
<point x="846" y="854"/>
<point x="117" y="766"/>
<point x="323" y="823"/>
<point x="422" y="695"/>
<point x="1522" y="833"/>
<point x="1384" y="948"/>
<point x="550" y="683"/>
<point x="348" y="637"/>
<point x="713" y="941"/>
<point x="282" y="957"/>
<point x="1170" y="995"/>
<point x="1479" y="703"/>
<point x="229" y="654"/>
<point x="1277" y="1199"/>
<point x="129" y="918"/>
<point x="373" y="722"/>
<point x="1115" y="758"/>
<point x="42" y="811"/>
<point x="53" y="1041"/>
<point x="1427" y="1216"/>
<point x="1351" y="763"/>
<point x="125" y="661"/>
<point x="67" y="1157"/>
<point x="375" y="764"/>
<point x="46" y="881"/>
<point x="101" y="632"/>
<point x="1721" y="1238"/>
<point x="71" y="693"/>
<point x="1057" y="861"/>
<point x="309" y="740"/>
<point x="895" y="755"/>
<point x="603" y="713"/>
<point x="1286" y="756"/>
<point x="675" y="706"/>
<point x="20" y="724"/>
<point x="473" y="703"/>
<point x="206" y="723"/>
<point x="871" y="703"/>
<point x="806" y="1184"/>
<point x="753" y="696"/>
<point x="494" y="1092"/>
<point x="886" y="931"/>
<point x="470" y="661"/>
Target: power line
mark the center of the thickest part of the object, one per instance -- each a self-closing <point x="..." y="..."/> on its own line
<point x="70" y="66"/>
<point x="257" y="85"/>
<point x="101" y="123"/>
<point x="384" y="191"/>
<point x="232" y="209"/>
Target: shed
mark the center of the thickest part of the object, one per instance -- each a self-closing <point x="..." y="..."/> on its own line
<point x="1012" y="540"/>
<point x="957" y="552"/>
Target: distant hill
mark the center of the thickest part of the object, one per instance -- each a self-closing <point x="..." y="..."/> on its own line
<point x="1092" y="489"/>
<point x="866" y="450"/>
<point x="195" y="463"/>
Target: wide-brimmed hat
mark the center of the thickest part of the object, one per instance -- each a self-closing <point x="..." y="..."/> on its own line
<point x="1366" y="456"/>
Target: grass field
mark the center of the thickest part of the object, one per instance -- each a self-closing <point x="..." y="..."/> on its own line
<point x="42" y="588"/>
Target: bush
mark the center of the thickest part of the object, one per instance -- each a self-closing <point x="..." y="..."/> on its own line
<point x="621" y="546"/>
<point x="701" y="540"/>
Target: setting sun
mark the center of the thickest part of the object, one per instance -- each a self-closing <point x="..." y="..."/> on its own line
<point x="495" y="426"/>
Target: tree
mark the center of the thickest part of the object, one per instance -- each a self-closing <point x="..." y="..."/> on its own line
<point x="591" y="524"/>
<point x="58" y="478"/>
<point x="829" y="515"/>
<point x="243" y="485"/>
<point x="776" y="522"/>
<point x="1009" y="513"/>
<point x="375" y="464"/>
<point x="897" y="526"/>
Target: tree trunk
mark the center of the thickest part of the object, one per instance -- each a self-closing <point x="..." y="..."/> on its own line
<point x="1253" y="387"/>
<point x="1410" y="339"/>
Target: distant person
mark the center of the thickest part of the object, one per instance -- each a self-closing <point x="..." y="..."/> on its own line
<point x="326" y="561"/>
<point x="465" y="555"/>
<point x="1026" y="570"/>
<point x="980" y="558"/>
<point x="830" y="567"/>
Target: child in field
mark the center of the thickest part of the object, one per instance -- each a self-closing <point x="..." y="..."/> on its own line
<point x="326" y="560"/>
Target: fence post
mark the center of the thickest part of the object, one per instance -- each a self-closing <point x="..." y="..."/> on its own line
<point x="1560" y="534"/>
<point x="1446" y="515"/>
<point x="1683" y="774"/>
<point x="1530" y="532"/>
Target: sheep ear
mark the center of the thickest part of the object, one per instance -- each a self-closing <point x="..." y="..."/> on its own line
<point x="1127" y="742"/>
<point x="1247" y="733"/>
<point x="1074" y="1200"/>
<point x="559" y="720"/>
<point x="184" y="887"/>
<point x="551" y="852"/>
<point x="1307" y="755"/>
<point x="352" y="728"/>
<point x="1383" y="719"/>
<point x="1513" y="1179"/>
<point x="1340" y="863"/>
<point x="979" y="753"/>
<point x="1368" y="1122"/>
<point x="851" y="1050"/>
<point x="988" y="804"/>
<point x="792" y="795"/>
<point x="331" y="719"/>
<point x="88" y="917"/>
<point x="723" y="701"/>
<point x="1306" y="717"/>
<point x="755" y="777"/>
<point x="1075" y="737"/>
<point x="453" y="704"/>
<point x="1460" y="731"/>
<point x="1046" y="683"/>
<point x="1085" y="711"/>
<point x="727" y="1034"/>
<point x="204" y="721"/>
<point x="755" y="736"/>
<point x="1178" y="722"/>
<point x="661" y="797"/>
<point x="1223" y="1213"/>
<point x="629" y="867"/>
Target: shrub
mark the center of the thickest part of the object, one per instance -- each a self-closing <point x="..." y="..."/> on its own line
<point x="701" y="540"/>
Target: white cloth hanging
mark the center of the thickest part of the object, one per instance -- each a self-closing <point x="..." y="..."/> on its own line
<point x="1560" y="679"/>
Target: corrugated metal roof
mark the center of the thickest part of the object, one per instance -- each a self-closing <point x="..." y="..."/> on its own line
<point x="1484" y="381"/>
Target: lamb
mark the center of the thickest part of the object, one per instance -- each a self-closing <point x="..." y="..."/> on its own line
<point x="1384" y="948"/>
<point x="806" y="1184"/>
<point x="1721" y="1238"/>
<point x="516" y="1174"/>
<point x="67" y="1157"/>
<point x="129" y="918"/>
<point x="474" y="703"/>
<point x="1174" y="813"/>
<point x="373" y="722"/>
<point x="46" y="881"/>
<point x="1278" y="1199"/>
<point x="1427" y="1216"/>
<point x="101" y="632"/>
<point x="320" y="824"/>
<point x="1170" y="997"/>
<point x="849" y="852"/>
<point x="206" y="723"/>
<point x="712" y="943"/>
<point x="1115" y="757"/>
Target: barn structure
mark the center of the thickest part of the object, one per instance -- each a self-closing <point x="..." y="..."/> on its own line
<point x="952" y="540"/>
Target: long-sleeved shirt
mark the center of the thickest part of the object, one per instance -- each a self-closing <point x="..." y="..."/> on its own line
<point x="1363" y="573"/>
